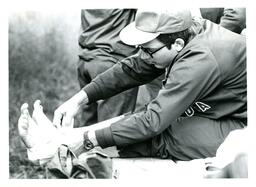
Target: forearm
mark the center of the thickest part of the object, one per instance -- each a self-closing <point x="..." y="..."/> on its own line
<point x="110" y="83"/>
<point x="80" y="98"/>
<point x="129" y="73"/>
<point x="74" y="137"/>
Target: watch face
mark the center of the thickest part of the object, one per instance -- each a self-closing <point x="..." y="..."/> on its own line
<point x="88" y="145"/>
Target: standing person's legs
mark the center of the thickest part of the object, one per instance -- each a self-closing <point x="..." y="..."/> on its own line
<point x="185" y="139"/>
<point x="104" y="109"/>
<point x="89" y="113"/>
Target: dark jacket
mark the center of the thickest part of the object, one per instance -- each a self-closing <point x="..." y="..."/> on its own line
<point x="99" y="38"/>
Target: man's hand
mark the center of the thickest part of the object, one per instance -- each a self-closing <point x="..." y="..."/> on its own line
<point x="65" y="113"/>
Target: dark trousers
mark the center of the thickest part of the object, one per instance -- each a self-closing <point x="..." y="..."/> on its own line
<point x="104" y="109"/>
<point x="185" y="139"/>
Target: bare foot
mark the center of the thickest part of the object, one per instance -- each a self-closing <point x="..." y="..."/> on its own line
<point x="38" y="134"/>
<point x="26" y="127"/>
<point x="40" y="118"/>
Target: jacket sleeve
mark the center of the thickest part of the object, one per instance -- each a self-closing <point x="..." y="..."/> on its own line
<point x="212" y="14"/>
<point x="187" y="81"/>
<point x="126" y="74"/>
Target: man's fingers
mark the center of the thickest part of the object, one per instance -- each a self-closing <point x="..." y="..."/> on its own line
<point x="57" y="119"/>
<point x="62" y="120"/>
<point x="68" y="121"/>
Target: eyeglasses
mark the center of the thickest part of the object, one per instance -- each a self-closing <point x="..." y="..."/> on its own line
<point x="148" y="51"/>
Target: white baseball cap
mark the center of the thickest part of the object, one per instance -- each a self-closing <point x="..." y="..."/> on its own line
<point x="150" y="24"/>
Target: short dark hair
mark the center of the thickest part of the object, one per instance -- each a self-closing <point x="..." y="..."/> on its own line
<point x="169" y="39"/>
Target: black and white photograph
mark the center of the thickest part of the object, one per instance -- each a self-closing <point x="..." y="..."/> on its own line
<point x="128" y="93"/>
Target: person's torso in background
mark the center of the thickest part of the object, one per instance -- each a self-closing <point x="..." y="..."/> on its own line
<point x="100" y="30"/>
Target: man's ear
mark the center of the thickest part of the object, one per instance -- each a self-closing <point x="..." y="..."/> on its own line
<point x="178" y="44"/>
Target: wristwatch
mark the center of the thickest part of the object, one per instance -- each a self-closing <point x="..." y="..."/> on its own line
<point x="88" y="145"/>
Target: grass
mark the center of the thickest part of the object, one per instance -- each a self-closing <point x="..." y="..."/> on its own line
<point x="42" y="65"/>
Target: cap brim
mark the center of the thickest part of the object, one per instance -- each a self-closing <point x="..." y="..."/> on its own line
<point x="130" y="35"/>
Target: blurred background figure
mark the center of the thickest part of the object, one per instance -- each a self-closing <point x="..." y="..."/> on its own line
<point x="233" y="19"/>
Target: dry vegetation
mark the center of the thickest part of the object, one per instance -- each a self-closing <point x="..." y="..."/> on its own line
<point x="42" y="65"/>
